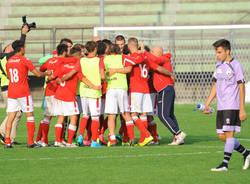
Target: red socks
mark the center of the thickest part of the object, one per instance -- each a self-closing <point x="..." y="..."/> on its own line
<point x="152" y="128"/>
<point x="31" y="129"/>
<point x="45" y="132"/>
<point x="71" y="133"/>
<point x="58" y="132"/>
<point x="104" y="125"/>
<point x="94" y="128"/>
<point x="83" y="125"/>
<point x="39" y="133"/>
<point x="141" y="127"/>
<point x="130" y="129"/>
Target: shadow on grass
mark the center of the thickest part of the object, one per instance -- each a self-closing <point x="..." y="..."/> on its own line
<point x="190" y="139"/>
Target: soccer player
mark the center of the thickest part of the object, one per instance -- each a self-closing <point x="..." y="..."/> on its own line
<point x="120" y="41"/>
<point x="93" y="68"/>
<point x="164" y="84"/>
<point x="43" y="60"/>
<point x="65" y="41"/>
<point x="101" y="49"/>
<point x="139" y="90"/>
<point x="17" y="69"/>
<point x="65" y="96"/>
<point x="49" y="105"/>
<point x="116" y="95"/>
<point x="87" y="88"/>
<point x="4" y="57"/>
<point x="229" y="88"/>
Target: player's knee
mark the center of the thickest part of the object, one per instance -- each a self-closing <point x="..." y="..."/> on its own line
<point x="95" y="118"/>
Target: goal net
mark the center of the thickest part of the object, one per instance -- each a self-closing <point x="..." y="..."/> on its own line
<point x="193" y="56"/>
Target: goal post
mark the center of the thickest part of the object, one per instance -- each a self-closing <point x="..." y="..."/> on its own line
<point x="193" y="56"/>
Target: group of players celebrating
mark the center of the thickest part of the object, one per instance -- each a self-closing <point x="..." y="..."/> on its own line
<point x="100" y="80"/>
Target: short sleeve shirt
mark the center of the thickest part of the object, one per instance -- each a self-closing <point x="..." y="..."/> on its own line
<point x="227" y="77"/>
<point x="17" y="69"/>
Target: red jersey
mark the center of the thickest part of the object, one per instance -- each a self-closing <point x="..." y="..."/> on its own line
<point x="51" y="64"/>
<point x="17" y="69"/>
<point x="66" y="91"/>
<point x="139" y="74"/>
<point x="160" y="80"/>
<point x="54" y="52"/>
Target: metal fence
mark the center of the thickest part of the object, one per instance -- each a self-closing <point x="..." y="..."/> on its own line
<point x="193" y="56"/>
<point x="42" y="41"/>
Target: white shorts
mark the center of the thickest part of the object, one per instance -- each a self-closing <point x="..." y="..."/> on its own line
<point x="154" y="104"/>
<point x="91" y="106"/>
<point x="116" y="101"/>
<point x="141" y="102"/>
<point x="24" y="104"/>
<point x="49" y="106"/>
<point x="66" y="108"/>
<point x="79" y="103"/>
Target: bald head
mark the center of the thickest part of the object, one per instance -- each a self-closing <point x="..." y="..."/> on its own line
<point x="96" y="38"/>
<point x="157" y="51"/>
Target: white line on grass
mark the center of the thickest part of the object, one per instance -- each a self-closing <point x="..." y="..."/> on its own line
<point x="108" y="156"/>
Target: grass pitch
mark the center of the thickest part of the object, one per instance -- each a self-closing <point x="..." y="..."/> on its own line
<point x="186" y="164"/>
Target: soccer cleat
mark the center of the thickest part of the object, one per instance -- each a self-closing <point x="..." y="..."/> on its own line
<point x="38" y="143"/>
<point x="119" y="137"/>
<point x="125" y="144"/>
<point x="43" y="144"/>
<point x="132" y="143"/>
<point x="246" y="162"/>
<point x="95" y="144"/>
<point x="34" y="145"/>
<point x="153" y="143"/>
<point x="64" y="142"/>
<point x="59" y="144"/>
<point x="86" y="143"/>
<point x="112" y="144"/>
<point x="2" y="139"/>
<point x="8" y="146"/>
<point x="180" y="138"/>
<point x="221" y="167"/>
<point x="16" y="143"/>
<point x="102" y="140"/>
<point x="68" y="145"/>
<point x="174" y="143"/>
<point x="146" y="141"/>
<point x="80" y="140"/>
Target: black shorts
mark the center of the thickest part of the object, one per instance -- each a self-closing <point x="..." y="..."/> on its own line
<point x="228" y="120"/>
